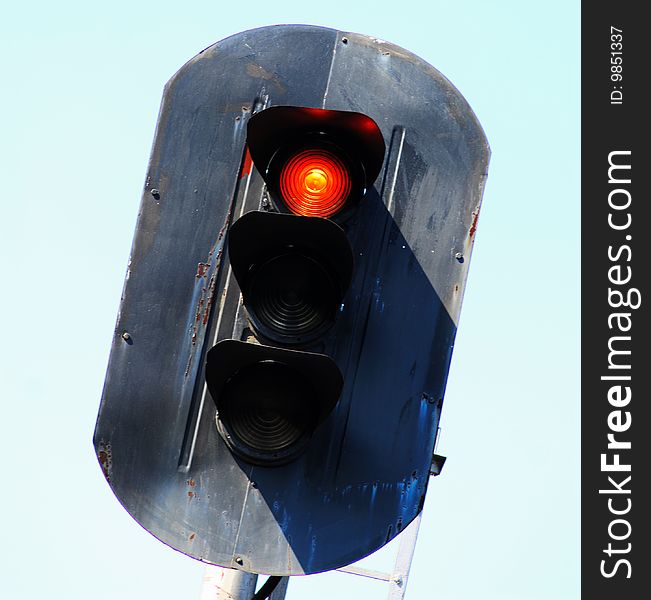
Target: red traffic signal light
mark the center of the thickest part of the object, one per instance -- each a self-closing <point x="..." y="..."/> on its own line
<point x="315" y="182"/>
<point x="316" y="162"/>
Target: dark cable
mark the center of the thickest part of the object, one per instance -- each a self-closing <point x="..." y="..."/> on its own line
<point x="268" y="588"/>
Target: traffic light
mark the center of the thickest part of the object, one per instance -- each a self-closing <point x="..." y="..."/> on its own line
<point x="293" y="265"/>
<point x="277" y="376"/>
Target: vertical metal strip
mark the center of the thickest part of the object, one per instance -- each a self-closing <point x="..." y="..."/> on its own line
<point x="408" y="539"/>
<point x="212" y="308"/>
<point x="393" y="165"/>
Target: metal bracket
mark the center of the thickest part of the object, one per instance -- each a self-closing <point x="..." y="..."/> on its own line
<point x="397" y="579"/>
<point x="437" y="464"/>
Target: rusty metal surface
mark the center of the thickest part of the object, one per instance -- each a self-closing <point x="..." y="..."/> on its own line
<point x="364" y="475"/>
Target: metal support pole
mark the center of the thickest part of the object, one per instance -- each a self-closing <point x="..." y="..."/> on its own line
<point x="230" y="584"/>
<point x="227" y="584"/>
<point x="281" y="590"/>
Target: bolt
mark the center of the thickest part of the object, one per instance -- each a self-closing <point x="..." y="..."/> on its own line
<point x="459" y="257"/>
<point x="428" y="397"/>
<point x="155" y="193"/>
<point x="126" y="336"/>
<point x="239" y="561"/>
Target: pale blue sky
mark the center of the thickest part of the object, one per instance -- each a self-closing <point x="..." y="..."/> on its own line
<point x="81" y="88"/>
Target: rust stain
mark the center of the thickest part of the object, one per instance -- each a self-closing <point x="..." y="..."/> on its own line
<point x="211" y="295"/>
<point x="191" y="483"/>
<point x="192" y="536"/>
<point x="205" y="294"/>
<point x="222" y="232"/>
<point x="202" y="269"/>
<point x="105" y="457"/>
<point x="197" y="316"/>
<point x="258" y="72"/>
<point x="475" y="218"/>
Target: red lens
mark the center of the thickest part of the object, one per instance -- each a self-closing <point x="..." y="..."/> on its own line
<point x="315" y="183"/>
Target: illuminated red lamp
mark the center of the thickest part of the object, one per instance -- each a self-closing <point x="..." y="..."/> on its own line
<point x="316" y="162"/>
<point x="315" y="183"/>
